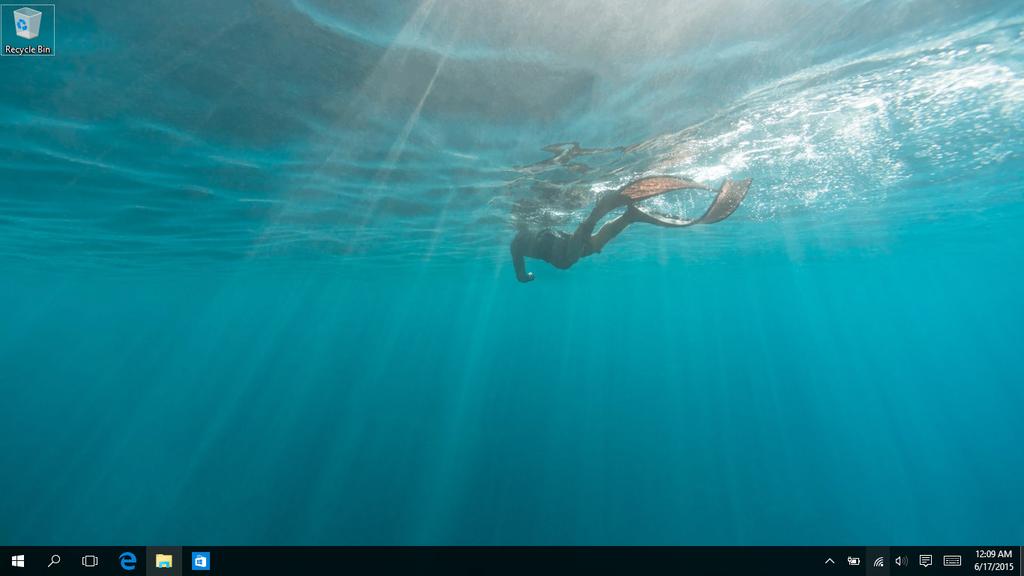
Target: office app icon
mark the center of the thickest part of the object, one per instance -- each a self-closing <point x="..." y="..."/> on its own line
<point x="164" y="561"/>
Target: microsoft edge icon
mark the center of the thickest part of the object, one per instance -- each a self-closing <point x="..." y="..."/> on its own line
<point x="127" y="560"/>
<point x="200" y="560"/>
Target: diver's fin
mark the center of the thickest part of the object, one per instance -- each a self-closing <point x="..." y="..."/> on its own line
<point x="656" y="185"/>
<point x="644" y="188"/>
<point x="726" y="201"/>
<point x="639" y="215"/>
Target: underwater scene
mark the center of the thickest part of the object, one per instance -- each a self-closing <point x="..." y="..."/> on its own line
<point x="591" y="272"/>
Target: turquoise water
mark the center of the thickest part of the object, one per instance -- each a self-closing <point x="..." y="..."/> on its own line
<point x="254" y="265"/>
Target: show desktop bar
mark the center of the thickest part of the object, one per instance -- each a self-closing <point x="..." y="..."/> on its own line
<point x="591" y="561"/>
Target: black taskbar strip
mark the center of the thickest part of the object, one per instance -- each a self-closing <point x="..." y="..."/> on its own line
<point x="450" y="561"/>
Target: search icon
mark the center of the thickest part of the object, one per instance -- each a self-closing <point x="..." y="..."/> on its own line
<point x="55" y="559"/>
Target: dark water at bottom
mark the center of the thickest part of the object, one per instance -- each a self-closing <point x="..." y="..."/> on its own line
<point x="839" y="398"/>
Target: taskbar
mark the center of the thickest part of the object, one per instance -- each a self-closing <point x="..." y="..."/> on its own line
<point x="518" y="560"/>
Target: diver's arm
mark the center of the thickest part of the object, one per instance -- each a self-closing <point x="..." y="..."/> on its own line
<point x="520" y="269"/>
<point x="518" y="260"/>
<point x="520" y="263"/>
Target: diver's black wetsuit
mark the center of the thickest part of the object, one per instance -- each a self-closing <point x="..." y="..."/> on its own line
<point x="558" y="248"/>
<point x="561" y="249"/>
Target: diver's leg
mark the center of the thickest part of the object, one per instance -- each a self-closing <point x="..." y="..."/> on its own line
<point x="606" y="203"/>
<point x="582" y="241"/>
<point x="580" y="244"/>
<point x="611" y="230"/>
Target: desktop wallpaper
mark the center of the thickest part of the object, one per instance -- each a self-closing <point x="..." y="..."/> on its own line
<point x="256" y="281"/>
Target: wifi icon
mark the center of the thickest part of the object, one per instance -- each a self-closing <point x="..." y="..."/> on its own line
<point x="879" y="562"/>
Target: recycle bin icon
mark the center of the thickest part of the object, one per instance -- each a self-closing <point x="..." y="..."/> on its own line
<point x="26" y="21"/>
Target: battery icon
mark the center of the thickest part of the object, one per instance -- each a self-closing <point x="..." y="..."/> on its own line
<point x="26" y="22"/>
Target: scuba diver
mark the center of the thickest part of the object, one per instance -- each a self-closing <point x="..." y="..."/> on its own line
<point x="562" y="250"/>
